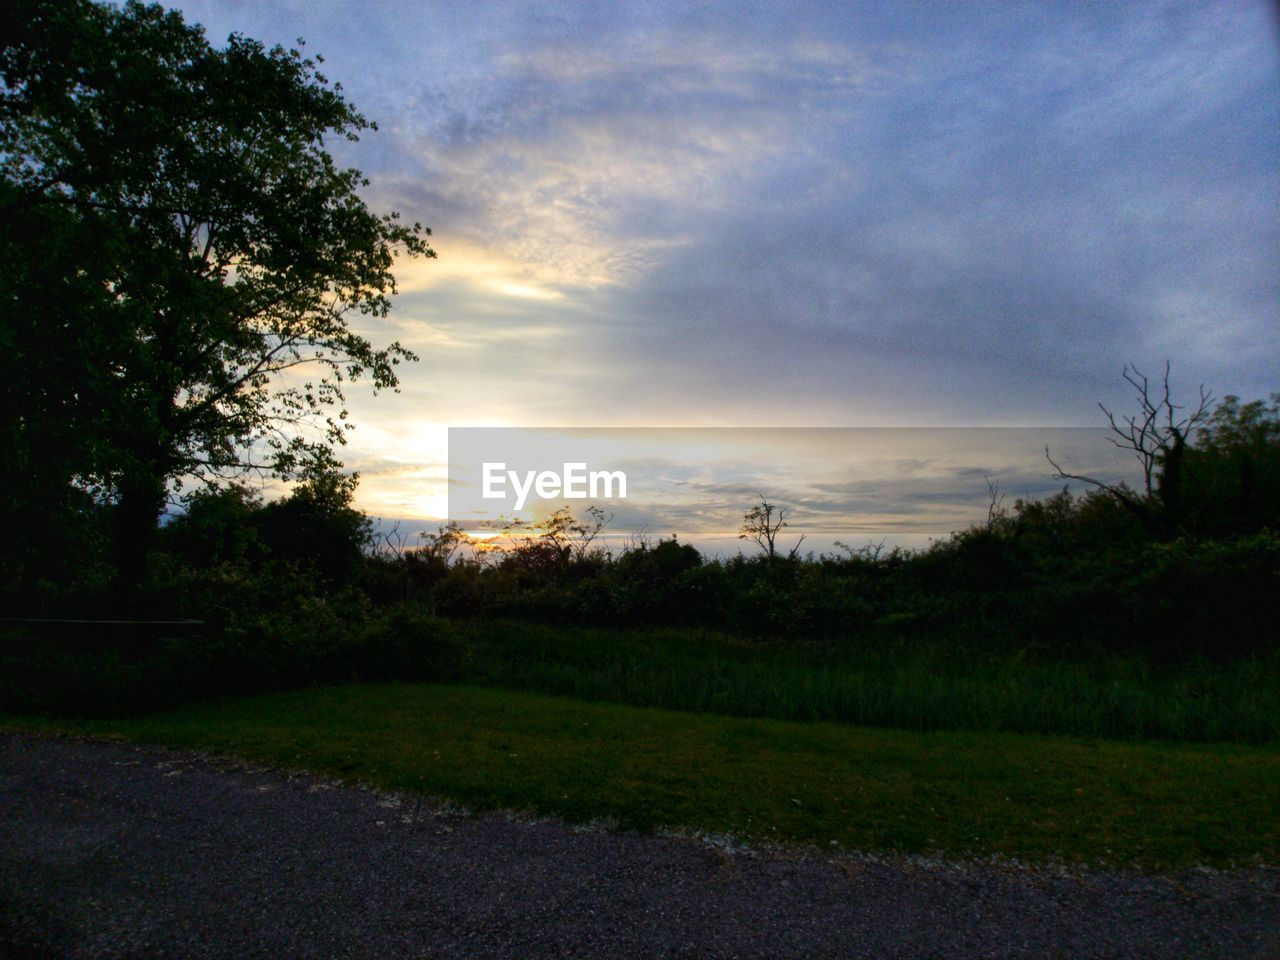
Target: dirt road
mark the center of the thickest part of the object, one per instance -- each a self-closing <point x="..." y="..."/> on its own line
<point x="110" y="850"/>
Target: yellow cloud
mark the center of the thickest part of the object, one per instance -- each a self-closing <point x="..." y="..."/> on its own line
<point x="464" y="261"/>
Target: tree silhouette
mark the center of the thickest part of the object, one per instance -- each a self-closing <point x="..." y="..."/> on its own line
<point x="1157" y="435"/>
<point x="762" y="524"/>
<point x="192" y="322"/>
<point x="1232" y="470"/>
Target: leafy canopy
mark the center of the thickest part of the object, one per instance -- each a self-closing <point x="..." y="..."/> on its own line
<point x="186" y="251"/>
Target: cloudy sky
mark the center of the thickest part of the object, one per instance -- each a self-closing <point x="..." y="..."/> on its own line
<point x="804" y="214"/>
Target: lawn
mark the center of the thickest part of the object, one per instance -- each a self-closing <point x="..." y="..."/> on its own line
<point x="1153" y="805"/>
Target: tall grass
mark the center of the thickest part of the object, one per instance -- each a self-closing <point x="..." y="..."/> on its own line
<point x="1108" y="696"/>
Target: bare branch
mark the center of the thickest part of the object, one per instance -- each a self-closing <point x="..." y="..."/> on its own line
<point x="762" y="524"/>
<point x="1157" y="436"/>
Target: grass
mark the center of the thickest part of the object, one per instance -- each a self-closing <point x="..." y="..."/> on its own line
<point x="914" y="683"/>
<point x="1154" y="805"/>
<point x="903" y="687"/>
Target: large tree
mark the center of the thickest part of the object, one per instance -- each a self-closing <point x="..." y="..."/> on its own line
<point x="182" y="257"/>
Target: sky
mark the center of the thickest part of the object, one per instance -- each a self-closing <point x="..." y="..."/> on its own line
<point x="803" y="214"/>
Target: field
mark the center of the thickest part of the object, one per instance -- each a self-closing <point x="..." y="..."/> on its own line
<point x="905" y="685"/>
<point x="966" y="794"/>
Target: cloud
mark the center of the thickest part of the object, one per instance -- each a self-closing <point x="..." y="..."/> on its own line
<point x="608" y="162"/>
<point x="725" y="215"/>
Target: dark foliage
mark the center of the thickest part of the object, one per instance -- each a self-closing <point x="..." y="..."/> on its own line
<point x="296" y="590"/>
<point x="1067" y="576"/>
<point x="176" y="237"/>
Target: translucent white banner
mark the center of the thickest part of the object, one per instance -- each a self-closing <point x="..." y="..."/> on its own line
<point x="849" y="484"/>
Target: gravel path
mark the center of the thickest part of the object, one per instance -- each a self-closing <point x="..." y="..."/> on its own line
<point x="110" y="850"/>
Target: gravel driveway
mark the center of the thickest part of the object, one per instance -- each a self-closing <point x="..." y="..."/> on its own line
<point x="110" y="850"/>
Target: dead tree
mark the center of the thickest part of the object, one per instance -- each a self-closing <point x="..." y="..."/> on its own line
<point x="1157" y="436"/>
<point x="997" y="513"/>
<point x="586" y="530"/>
<point x="394" y="544"/>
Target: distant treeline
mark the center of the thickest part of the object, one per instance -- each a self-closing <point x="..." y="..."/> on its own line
<point x="1112" y="569"/>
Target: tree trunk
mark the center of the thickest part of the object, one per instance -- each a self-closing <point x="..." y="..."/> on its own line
<point x="1170" y="486"/>
<point x="137" y="511"/>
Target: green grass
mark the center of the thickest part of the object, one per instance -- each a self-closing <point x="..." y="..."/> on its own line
<point x="1156" y="805"/>
<point x="873" y="684"/>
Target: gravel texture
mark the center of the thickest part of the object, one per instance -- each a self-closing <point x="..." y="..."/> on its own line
<point x="114" y="850"/>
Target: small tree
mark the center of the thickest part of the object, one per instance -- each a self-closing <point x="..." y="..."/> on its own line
<point x="584" y="532"/>
<point x="762" y="524"/>
<point x="444" y="543"/>
<point x="318" y="526"/>
<point x="557" y="537"/>
<point x="217" y="526"/>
